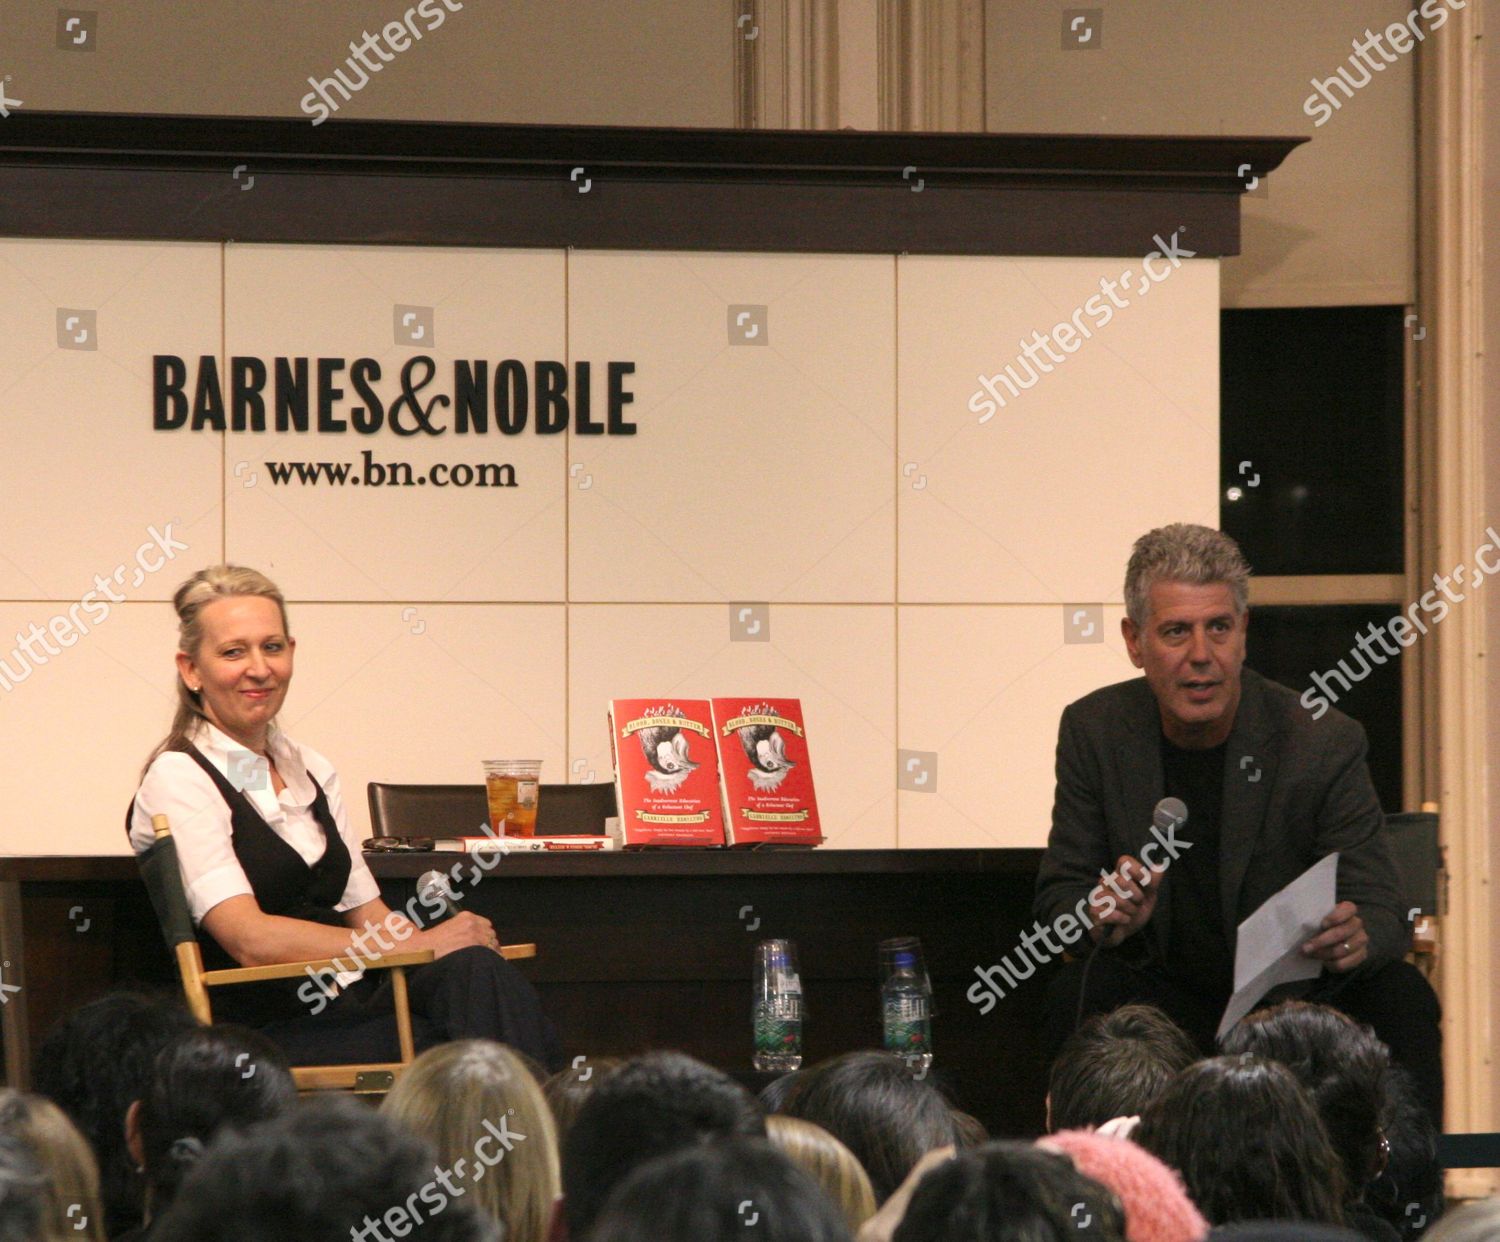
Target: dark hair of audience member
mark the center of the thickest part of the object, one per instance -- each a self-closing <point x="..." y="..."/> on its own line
<point x="774" y="1094"/>
<point x="728" y="1190"/>
<point x="1409" y="1194"/>
<point x="649" y="1107"/>
<point x="93" y="1064"/>
<point x="1114" y="1065"/>
<point x="874" y="1105"/>
<point x="566" y="1090"/>
<point x="1248" y="1142"/>
<point x="48" y="1166"/>
<point x="1343" y="1066"/>
<point x="205" y="1079"/>
<point x="1010" y="1192"/>
<point x="330" y="1170"/>
<point x="968" y="1130"/>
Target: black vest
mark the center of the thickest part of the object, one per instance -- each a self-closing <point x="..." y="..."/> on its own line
<point x="283" y="884"/>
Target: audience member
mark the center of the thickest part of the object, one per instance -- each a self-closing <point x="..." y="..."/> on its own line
<point x="206" y="1078"/>
<point x="872" y="1103"/>
<point x="1157" y="1208"/>
<point x="1010" y="1192"/>
<point x="774" y="1094"/>
<point x="1409" y="1194"/>
<point x="50" y="1172"/>
<point x="727" y="1190"/>
<point x="93" y="1065"/>
<point x="1247" y="1141"/>
<point x="332" y="1170"/>
<point x="567" y="1089"/>
<point x="23" y="1191"/>
<point x="475" y="1094"/>
<point x="1475" y="1222"/>
<point x="1114" y="1065"/>
<point x="1343" y="1067"/>
<point x="1282" y="1231"/>
<point x="828" y="1162"/>
<point x="968" y="1130"/>
<point x="649" y="1107"/>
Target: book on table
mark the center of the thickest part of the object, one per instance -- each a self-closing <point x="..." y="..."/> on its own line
<point x="765" y="772"/>
<point x="666" y="772"/>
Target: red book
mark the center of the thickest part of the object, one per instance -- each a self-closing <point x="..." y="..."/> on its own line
<point x="765" y="771"/>
<point x="666" y="772"/>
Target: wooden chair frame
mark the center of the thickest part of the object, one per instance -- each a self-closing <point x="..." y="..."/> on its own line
<point x="371" y="1078"/>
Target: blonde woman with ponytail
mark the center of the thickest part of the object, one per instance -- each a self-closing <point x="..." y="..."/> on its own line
<point x="272" y="868"/>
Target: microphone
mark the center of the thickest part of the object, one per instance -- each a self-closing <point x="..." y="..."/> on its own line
<point x="436" y="894"/>
<point x="1169" y="815"/>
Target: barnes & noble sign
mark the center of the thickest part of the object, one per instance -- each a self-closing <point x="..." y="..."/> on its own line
<point x="331" y="396"/>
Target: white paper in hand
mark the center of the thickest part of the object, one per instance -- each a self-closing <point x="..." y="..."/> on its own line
<point x="1268" y="945"/>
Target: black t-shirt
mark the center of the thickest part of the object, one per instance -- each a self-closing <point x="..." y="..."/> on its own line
<point x="1201" y="956"/>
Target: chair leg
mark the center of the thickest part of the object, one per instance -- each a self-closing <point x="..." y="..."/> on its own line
<point x="403" y="1014"/>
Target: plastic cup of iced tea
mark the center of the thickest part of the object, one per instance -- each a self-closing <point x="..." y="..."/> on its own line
<point x="512" y="787"/>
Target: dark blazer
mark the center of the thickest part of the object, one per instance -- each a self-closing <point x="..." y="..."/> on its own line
<point x="1295" y="789"/>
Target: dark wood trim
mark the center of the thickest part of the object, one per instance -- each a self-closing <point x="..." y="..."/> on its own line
<point x="15" y="1014"/>
<point x="104" y="175"/>
<point x="116" y="868"/>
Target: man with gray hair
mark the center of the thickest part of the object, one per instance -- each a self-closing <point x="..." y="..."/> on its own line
<point x="1269" y="790"/>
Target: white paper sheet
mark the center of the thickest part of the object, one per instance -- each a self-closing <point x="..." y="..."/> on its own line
<point x="1267" y="947"/>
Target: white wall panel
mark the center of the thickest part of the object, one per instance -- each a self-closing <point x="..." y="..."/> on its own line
<point x="1042" y="500"/>
<point x="761" y="470"/>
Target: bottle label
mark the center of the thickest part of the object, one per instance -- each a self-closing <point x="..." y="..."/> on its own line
<point x="778" y="1025"/>
<point x="908" y="1026"/>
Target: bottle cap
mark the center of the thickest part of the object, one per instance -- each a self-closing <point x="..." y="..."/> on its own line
<point x="905" y="959"/>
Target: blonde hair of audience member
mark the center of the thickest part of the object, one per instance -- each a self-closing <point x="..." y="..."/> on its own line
<point x="1476" y="1222"/>
<point x="448" y="1093"/>
<point x="203" y="588"/>
<point x="71" y="1206"/>
<point x="832" y="1165"/>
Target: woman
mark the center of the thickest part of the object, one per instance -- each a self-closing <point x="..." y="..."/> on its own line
<point x="456" y="1097"/>
<point x="49" y="1184"/>
<point x="1247" y="1142"/>
<point x="828" y="1162"/>
<point x="204" y="1080"/>
<point x="272" y="870"/>
<point x="870" y="1102"/>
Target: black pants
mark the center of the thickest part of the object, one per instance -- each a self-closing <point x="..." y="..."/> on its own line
<point x="472" y="993"/>
<point x="1396" y="1001"/>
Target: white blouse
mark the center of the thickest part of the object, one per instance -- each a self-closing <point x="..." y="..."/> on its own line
<point x="175" y="786"/>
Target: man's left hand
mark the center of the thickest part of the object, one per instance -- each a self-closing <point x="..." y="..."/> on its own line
<point x="1343" y="943"/>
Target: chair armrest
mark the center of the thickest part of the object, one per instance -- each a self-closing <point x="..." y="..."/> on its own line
<point x="290" y="970"/>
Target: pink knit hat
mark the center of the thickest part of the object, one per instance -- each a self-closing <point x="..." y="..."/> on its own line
<point x="1157" y="1208"/>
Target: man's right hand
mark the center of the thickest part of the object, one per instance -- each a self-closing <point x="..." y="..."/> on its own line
<point x="1122" y="904"/>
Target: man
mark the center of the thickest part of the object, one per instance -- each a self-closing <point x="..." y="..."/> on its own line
<point x="1269" y="790"/>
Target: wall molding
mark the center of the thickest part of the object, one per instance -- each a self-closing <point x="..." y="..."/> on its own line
<point x="1452" y="471"/>
<point x="97" y="175"/>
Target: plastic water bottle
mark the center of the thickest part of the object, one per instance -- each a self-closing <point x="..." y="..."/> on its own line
<point x="906" y="1012"/>
<point x="777" y="1008"/>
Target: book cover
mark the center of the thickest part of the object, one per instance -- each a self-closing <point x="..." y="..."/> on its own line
<point x="765" y="772"/>
<point x="666" y="772"/>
